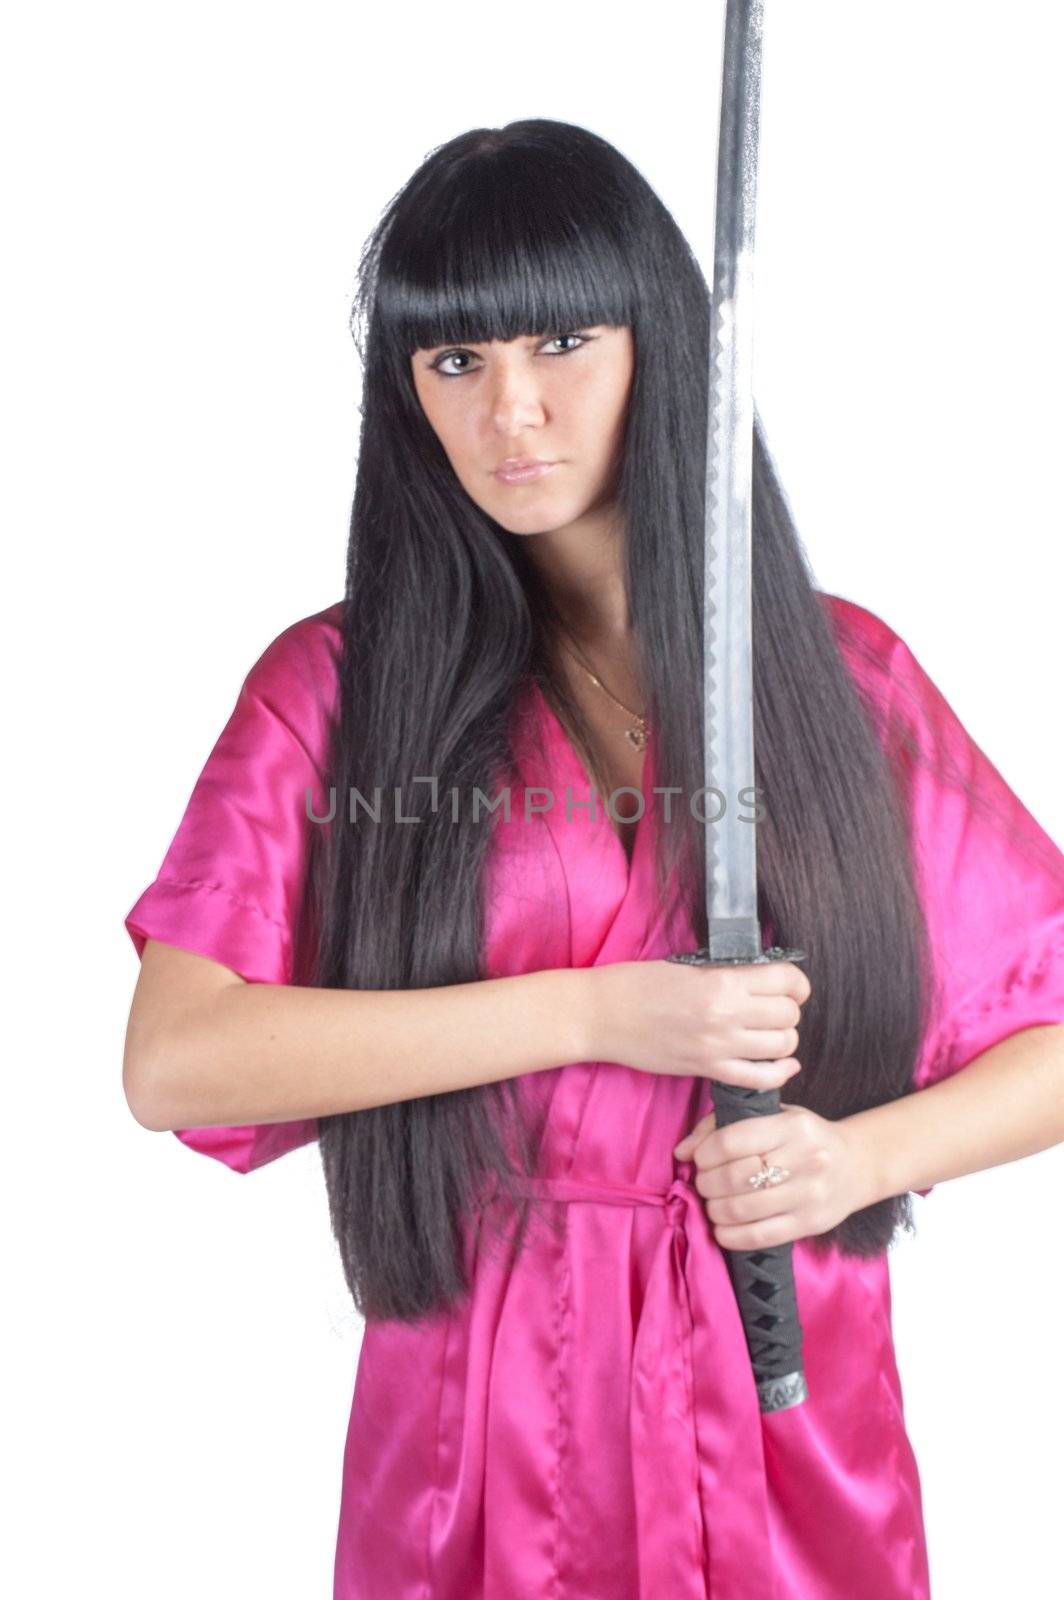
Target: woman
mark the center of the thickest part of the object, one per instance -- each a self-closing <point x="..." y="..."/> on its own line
<point x="469" y="1006"/>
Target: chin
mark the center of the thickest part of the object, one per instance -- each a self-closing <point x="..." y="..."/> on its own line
<point x="539" y="530"/>
<point x="535" y="520"/>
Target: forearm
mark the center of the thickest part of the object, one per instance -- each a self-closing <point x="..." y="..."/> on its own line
<point x="275" y="1053"/>
<point x="1005" y="1104"/>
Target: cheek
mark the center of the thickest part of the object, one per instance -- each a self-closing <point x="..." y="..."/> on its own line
<point x="455" y="431"/>
<point x="438" y="407"/>
<point x="599" y="410"/>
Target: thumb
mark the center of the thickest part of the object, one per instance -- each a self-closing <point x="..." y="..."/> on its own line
<point x="705" y="1125"/>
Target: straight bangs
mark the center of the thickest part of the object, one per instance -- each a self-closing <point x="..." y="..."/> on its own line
<point x="502" y="249"/>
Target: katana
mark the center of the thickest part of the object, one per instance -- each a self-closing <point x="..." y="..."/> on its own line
<point x="763" y="1279"/>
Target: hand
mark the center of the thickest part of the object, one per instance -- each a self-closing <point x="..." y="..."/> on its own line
<point x="736" y="1023"/>
<point x="828" y="1176"/>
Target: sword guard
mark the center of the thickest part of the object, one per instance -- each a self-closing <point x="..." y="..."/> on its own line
<point x="703" y="958"/>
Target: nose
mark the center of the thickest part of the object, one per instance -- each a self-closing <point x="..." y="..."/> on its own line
<point x="515" y="399"/>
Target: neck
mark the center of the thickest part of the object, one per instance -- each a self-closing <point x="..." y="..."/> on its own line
<point x="582" y="567"/>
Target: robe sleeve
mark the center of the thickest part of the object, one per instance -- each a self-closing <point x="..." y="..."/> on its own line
<point x="231" y="884"/>
<point x="990" y="877"/>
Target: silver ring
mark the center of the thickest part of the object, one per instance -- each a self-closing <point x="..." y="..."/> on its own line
<point x="768" y="1177"/>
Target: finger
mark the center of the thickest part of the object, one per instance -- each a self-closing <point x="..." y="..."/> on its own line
<point x="768" y="1044"/>
<point x="731" y="1180"/>
<point x="775" y="1011"/>
<point x="750" y="1136"/>
<point x="777" y="977"/>
<point x="707" y="1125"/>
<point x="744" y="1072"/>
<point x="783" y="1228"/>
<point x="697" y="1133"/>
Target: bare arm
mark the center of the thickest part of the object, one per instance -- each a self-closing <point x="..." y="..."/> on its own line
<point x="205" y="1047"/>
<point x="1005" y="1104"/>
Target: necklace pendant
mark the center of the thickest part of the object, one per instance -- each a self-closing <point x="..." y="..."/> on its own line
<point x="637" y="736"/>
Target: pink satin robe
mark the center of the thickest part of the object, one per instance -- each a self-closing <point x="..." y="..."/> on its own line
<point x="585" y="1425"/>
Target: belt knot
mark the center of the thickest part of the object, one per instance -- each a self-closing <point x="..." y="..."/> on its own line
<point x="678" y="1198"/>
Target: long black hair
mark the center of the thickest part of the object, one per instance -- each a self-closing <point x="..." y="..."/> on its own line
<point x="541" y="228"/>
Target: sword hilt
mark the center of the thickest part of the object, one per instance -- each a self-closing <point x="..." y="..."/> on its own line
<point x="763" y="1280"/>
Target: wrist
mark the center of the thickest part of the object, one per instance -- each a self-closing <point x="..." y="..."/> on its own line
<point x="581" y="1006"/>
<point x="874" y="1169"/>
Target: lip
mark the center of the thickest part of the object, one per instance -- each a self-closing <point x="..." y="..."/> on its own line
<point x="525" y="470"/>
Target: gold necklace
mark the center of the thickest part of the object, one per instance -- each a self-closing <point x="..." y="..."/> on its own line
<point x="638" y="735"/>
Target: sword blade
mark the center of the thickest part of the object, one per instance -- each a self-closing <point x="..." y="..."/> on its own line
<point x="731" y="842"/>
<point x="763" y="1279"/>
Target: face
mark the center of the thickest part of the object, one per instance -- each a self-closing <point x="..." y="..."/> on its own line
<point x="562" y="399"/>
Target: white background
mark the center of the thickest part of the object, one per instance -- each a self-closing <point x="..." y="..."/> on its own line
<point x="187" y="191"/>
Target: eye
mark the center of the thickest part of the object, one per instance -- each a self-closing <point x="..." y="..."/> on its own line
<point x="448" y="355"/>
<point x="451" y="355"/>
<point x="583" y="337"/>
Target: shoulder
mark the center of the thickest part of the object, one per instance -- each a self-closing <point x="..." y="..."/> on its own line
<point x="876" y="655"/>
<point x="301" y="664"/>
<point x="907" y="708"/>
<point x="857" y="629"/>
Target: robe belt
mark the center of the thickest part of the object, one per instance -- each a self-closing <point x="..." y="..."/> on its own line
<point x="697" y="1450"/>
